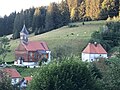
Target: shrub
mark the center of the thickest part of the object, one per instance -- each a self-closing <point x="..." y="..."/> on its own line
<point x="70" y="74"/>
<point x="111" y="74"/>
<point x="72" y="25"/>
<point x="61" y="52"/>
<point x="5" y="81"/>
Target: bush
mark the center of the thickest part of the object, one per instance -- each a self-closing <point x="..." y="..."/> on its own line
<point x="70" y="74"/>
<point x="61" y="52"/>
<point x="5" y="81"/>
<point x="72" y="25"/>
<point x="111" y="74"/>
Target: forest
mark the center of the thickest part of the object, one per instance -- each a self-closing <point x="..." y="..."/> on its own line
<point x="45" y="18"/>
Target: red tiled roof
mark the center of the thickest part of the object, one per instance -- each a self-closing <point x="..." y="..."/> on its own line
<point x="36" y="45"/>
<point x="28" y="79"/>
<point x="12" y="72"/>
<point x="94" y="49"/>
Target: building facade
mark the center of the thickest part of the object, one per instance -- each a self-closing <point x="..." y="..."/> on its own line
<point x="29" y="53"/>
<point x="93" y="52"/>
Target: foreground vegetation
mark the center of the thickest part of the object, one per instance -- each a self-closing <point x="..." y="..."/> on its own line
<point x="109" y="36"/>
<point x="71" y="73"/>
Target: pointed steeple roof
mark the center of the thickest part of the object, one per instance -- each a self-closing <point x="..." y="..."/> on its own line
<point x="24" y="30"/>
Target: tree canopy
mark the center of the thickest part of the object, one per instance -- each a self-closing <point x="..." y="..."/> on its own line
<point x="70" y="74"/>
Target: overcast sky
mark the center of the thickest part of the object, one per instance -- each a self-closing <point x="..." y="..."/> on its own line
<point x="8" y="6"/>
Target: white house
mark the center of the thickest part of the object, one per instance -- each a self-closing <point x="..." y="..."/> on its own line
<point x="93" y="52"/>
<point x="14" y="75"/>
<point x="24" y="82"/>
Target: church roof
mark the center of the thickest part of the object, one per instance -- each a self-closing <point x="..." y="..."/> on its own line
<point x="94" y="49"/>
<point x="24" y="30"/>
<point x="36" y="45"/>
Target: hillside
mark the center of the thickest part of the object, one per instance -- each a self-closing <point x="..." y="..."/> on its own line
<point x="72" y="39"/>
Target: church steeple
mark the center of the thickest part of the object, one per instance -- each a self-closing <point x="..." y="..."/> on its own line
<point x="24" y="35"/>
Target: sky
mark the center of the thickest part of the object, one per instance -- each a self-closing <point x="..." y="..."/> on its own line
<point x="8" y="6"/>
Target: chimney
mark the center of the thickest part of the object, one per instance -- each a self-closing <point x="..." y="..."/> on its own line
<point x="95" y="43"/>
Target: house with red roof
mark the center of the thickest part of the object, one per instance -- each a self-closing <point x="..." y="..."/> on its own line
<point x="24" y="82"/>
<point x="29" y="53"/>
<point x="28" y="79"/>
<point x="93" y="52"/>
<point x="14" y="75"/>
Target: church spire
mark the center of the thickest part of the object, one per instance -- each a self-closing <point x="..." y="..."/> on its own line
<point x="24" y="35"/>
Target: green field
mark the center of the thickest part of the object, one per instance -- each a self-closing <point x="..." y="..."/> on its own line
<point x="76" y="37"/>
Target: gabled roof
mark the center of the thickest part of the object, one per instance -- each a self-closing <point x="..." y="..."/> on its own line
<point x="28" y="79"/>
<point x="12" y="72"/>
<point x="94" y="49"/>
<point x="24" y="30"/>
<point x="36" y="45"/>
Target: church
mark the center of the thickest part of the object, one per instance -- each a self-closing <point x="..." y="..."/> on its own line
<point x="29" y="53"/>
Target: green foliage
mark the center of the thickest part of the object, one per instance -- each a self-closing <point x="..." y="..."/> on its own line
<point x="39" y="20"/>
<point x="110" y="70"/>
<point x="70" y="74"/>
<point x="118" y="55"/>
<point x="64" y="9"/>
<point x="53" y="17"/>
<point x="24" y="71"/>
<point x="109" y="37"/>
<point x="57" y="15"/>
<point x="5" y="81"/>
<point x="4" y="48"/>
<point x="62" y="52"/>
<point x="18" y="24"/>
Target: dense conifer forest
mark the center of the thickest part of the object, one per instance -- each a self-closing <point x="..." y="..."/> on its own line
<point x="45" y="18"/>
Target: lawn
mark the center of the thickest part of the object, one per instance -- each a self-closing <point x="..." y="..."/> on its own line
<point x="76" y="37"/>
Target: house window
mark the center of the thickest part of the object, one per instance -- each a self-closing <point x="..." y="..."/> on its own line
<point x="91" y="59"/>
<point x="45" y="55"/>
<point x="31" y="54"/>
<point x="31" y="59"/>
<point x="35" y="55"/>
<point x="15" y="80"/>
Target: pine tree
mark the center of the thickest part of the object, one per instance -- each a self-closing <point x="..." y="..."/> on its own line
<point x="65" y="12"/>
<point x="111" y="7"/>
<point x="18" y="24"/>
<point x="81" y="9"/>
<point x="53" y="17"/>
<point x="39" y="18"/>
<point x="74" y="14"/>
<point x="4" y="48"/>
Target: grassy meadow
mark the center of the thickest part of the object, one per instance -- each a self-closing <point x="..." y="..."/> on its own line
<point x="75" y="37"/>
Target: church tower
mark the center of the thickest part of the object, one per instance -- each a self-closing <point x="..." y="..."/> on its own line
<point x="24" y="35"/>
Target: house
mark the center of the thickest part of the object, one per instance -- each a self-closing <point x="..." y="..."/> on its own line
<point x="14" y="75"/>
<point x="28" y="79"/>
<point x="93" y="52"/>
<point x="24" y="82"/>
<point x="29" y="53"/>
